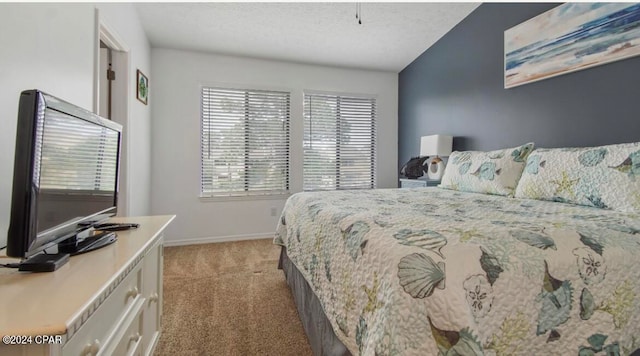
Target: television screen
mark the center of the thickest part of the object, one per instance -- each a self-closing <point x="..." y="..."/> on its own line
<point x="65" y="173"/>
<point x="75" y="169"/>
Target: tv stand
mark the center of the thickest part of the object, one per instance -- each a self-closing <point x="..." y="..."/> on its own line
<point x="72" y="246"/>
<point x="75" y="246"/>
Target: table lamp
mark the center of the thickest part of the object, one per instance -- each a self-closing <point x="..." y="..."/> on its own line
<point x="436" y="145"/>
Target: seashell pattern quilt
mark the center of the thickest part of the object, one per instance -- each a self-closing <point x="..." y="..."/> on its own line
<point x="429" y="271"/>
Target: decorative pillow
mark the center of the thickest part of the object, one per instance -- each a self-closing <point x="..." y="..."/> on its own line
<point x="495" y="172"/>
<point x="604" y="177"/>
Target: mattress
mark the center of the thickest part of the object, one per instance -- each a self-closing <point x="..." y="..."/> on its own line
<point x="429" y="271"/>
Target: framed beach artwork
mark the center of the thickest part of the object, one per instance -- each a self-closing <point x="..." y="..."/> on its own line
<point x="568" y="38"/>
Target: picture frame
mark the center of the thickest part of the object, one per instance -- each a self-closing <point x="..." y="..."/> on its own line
<point x="570" y="38"/>
<point x="142" y="87"/>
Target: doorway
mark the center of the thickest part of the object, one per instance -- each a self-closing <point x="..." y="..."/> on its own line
<point x="111" y="93"/>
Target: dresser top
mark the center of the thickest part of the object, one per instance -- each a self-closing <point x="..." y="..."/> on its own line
<point x="48" y="302"/>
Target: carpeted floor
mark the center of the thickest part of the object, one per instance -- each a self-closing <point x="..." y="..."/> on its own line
<point x="228" y="299"/>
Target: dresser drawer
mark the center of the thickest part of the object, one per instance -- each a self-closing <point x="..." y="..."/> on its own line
<point x="128" y="341"/>
<point x="152" y="292"/>
<point x="98" y="331"/>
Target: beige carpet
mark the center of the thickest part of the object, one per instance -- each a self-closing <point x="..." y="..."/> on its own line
<point x="228" y="299"/>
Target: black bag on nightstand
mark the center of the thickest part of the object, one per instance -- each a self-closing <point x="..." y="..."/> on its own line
<point x="415" y="168"/>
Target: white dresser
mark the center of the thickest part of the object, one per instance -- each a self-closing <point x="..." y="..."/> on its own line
<point x="104" y="302"/>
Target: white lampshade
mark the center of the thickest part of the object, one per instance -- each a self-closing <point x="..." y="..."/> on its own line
<point x="436" y="145"/>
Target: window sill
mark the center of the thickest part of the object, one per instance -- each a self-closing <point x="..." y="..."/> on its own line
<point x="223" y="198"/>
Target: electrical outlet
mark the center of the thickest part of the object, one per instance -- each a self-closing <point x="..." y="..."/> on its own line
<point x="274" y="211"/>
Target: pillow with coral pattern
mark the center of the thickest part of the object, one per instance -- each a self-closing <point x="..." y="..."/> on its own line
<point x="604" y="177"/>
<point x="495" y="172"/>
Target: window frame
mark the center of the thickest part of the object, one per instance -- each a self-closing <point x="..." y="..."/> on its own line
<point x="374" y="133"/>
<point x="245" y="194"/>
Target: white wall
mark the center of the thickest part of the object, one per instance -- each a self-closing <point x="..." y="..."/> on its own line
<point x="52" y="47"/>
<point x="47" y="47"/>
<point x="175" y="168"/>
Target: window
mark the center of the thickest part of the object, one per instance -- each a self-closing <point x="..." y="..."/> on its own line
<point x="339" y="142"/>
<point x="244" y="142"/>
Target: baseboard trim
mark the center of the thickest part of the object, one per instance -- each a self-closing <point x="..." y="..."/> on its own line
<point x="215" y="239"/>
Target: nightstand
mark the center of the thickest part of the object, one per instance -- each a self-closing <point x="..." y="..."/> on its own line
<point x="418" y="183"/>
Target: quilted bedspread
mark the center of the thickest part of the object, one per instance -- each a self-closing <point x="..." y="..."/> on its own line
<point x="430" y="271"/>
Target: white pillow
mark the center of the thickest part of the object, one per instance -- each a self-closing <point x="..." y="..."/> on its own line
<point x="495" y="172"/>
<point x="604" y="176"/>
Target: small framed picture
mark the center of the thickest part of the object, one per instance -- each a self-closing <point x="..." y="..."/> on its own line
<point x="142" y="87"/>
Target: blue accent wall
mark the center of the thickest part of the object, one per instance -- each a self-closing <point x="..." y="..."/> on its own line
<point x="456" y="87"/>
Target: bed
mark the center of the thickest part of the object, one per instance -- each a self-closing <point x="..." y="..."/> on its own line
<point x="431" y="271"/>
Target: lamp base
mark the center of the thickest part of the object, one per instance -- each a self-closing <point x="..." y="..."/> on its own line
<point x="436" y="169"/>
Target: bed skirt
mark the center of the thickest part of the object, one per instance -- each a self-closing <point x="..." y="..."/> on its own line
<point x="321" y="337"/>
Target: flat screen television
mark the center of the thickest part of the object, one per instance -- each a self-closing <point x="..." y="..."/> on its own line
<point x="65" y="176"/>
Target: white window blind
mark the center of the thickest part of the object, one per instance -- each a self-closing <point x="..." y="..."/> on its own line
<point x="244" y="142"/>
<point x="339" y="142"/>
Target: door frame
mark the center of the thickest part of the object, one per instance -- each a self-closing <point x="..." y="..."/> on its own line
<point x="119" y="100"/>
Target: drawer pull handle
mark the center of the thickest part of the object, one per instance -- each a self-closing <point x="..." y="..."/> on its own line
<point x="92" y="348"/>
<point x="133" y="292"/>
<point x="153" y="298"/>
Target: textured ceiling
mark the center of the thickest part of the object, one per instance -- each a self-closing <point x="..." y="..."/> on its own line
<point x="391" y="36"/>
